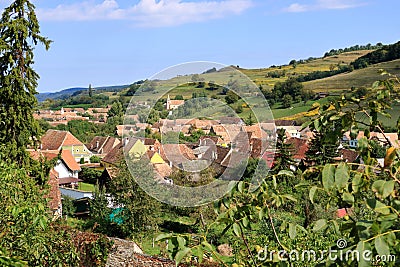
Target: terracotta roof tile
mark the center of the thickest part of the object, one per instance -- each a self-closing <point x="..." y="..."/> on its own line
<point x="54" y="140"/>
<point x="256" y="131"/>
<point x="300" y="147"/>
<point x="257" y="147"/>
<point x="348" y="155"/>
<point x="176" y="102"/>
<point x="103" y="144"/>
<point x="96" y="144"/>
<point x="164" y="170"/>
<point x="115" y="155"/>
<point x="176" y="153"/>
<point x="71" y="140"/>
<point x="208" y="140"/>
<point x="227" y="132"/>
<point x="69" y="160"/>
<point x="38" y="154"/>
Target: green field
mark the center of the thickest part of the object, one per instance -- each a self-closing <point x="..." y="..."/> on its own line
<point x="357" y="78"/>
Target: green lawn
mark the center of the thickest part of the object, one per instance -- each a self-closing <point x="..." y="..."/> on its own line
<point x="86" y="187"/>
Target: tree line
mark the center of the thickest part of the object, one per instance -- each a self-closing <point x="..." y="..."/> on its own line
<point x="383" y="54"/>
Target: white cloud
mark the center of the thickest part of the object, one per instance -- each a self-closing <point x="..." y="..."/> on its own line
<point x="296" y="8"/>
<point x="323" y="4"/>
<point x="146" y="13"/>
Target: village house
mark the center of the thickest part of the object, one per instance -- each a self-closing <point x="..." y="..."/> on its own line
<point x="66" y="167"/>
<point x="114" y="157"/>
<point x="389" y="139"/>
<point x="291" y="131"/>
<point x="101" y="145"/>
<point x="255" y="130"/>
<point x="227" y="132"/>
<point x="208" y="140"/>
<point x="130" y="129"/>
<point x="61" y="116"/>
<point x="299" y="148"/>
<point x="64" y="173"/>
<point x="136" y="148"/>
<point x="173" y="104"/>
<point x="57" y="140"/>
<point x="64" y="115"/>
<point x="231" y="120"/>
<point x="133" y="145"/>
<point x="204" y="125"/>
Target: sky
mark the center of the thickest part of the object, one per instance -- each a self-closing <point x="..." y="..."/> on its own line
<point x="116" y="42"/>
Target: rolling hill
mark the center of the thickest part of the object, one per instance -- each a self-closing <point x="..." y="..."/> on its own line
<point x="337" y="68"/>
<point x="63" y="94"/>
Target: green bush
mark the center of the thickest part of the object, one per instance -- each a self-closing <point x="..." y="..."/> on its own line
<point x="95" y="159"/>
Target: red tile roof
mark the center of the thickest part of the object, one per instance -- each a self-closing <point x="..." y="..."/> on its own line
<point x="300" y="147"/>
<point x="66" y="157"/>
<point x="256" y="131"/>
<point x="69" y="160"/>
<point x="348" y="155"/>
<point x="176" y="102"/>
<point x="176" y="153"/>
<point x="208" y="140"/>
<point x="115" y="155"/>
<point x="164" y="170"/>
<point x="37" y="154"/>
<point x="54" y="140"/>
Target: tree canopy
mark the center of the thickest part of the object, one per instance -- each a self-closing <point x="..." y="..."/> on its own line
<point x="19" y="33"/>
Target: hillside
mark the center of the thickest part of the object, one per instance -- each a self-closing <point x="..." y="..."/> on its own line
<point x="60" y="94"/>
<point x="260" y="76"/>
<point x="66" y="93"/>
<point x="357" y="78"/>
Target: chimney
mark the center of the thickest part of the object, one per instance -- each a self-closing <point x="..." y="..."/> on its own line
<point x="97" y="144"/>
<point x="126" y="141"/>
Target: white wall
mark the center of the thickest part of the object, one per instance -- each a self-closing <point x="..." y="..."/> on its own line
<point x="62" y="170"/>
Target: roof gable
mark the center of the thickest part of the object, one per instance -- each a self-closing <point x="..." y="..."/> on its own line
<point x="54" y="140"/>
<point x="156" y="159"/>
<point x="138" y="149"/>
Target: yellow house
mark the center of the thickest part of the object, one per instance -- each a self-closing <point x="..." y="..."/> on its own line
<point x="156" y="158"/>
<point x="57" y="140"/>
<point x="138" y="149"/>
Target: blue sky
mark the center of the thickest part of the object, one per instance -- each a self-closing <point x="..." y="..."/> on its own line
<point x="113" y="42"/>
